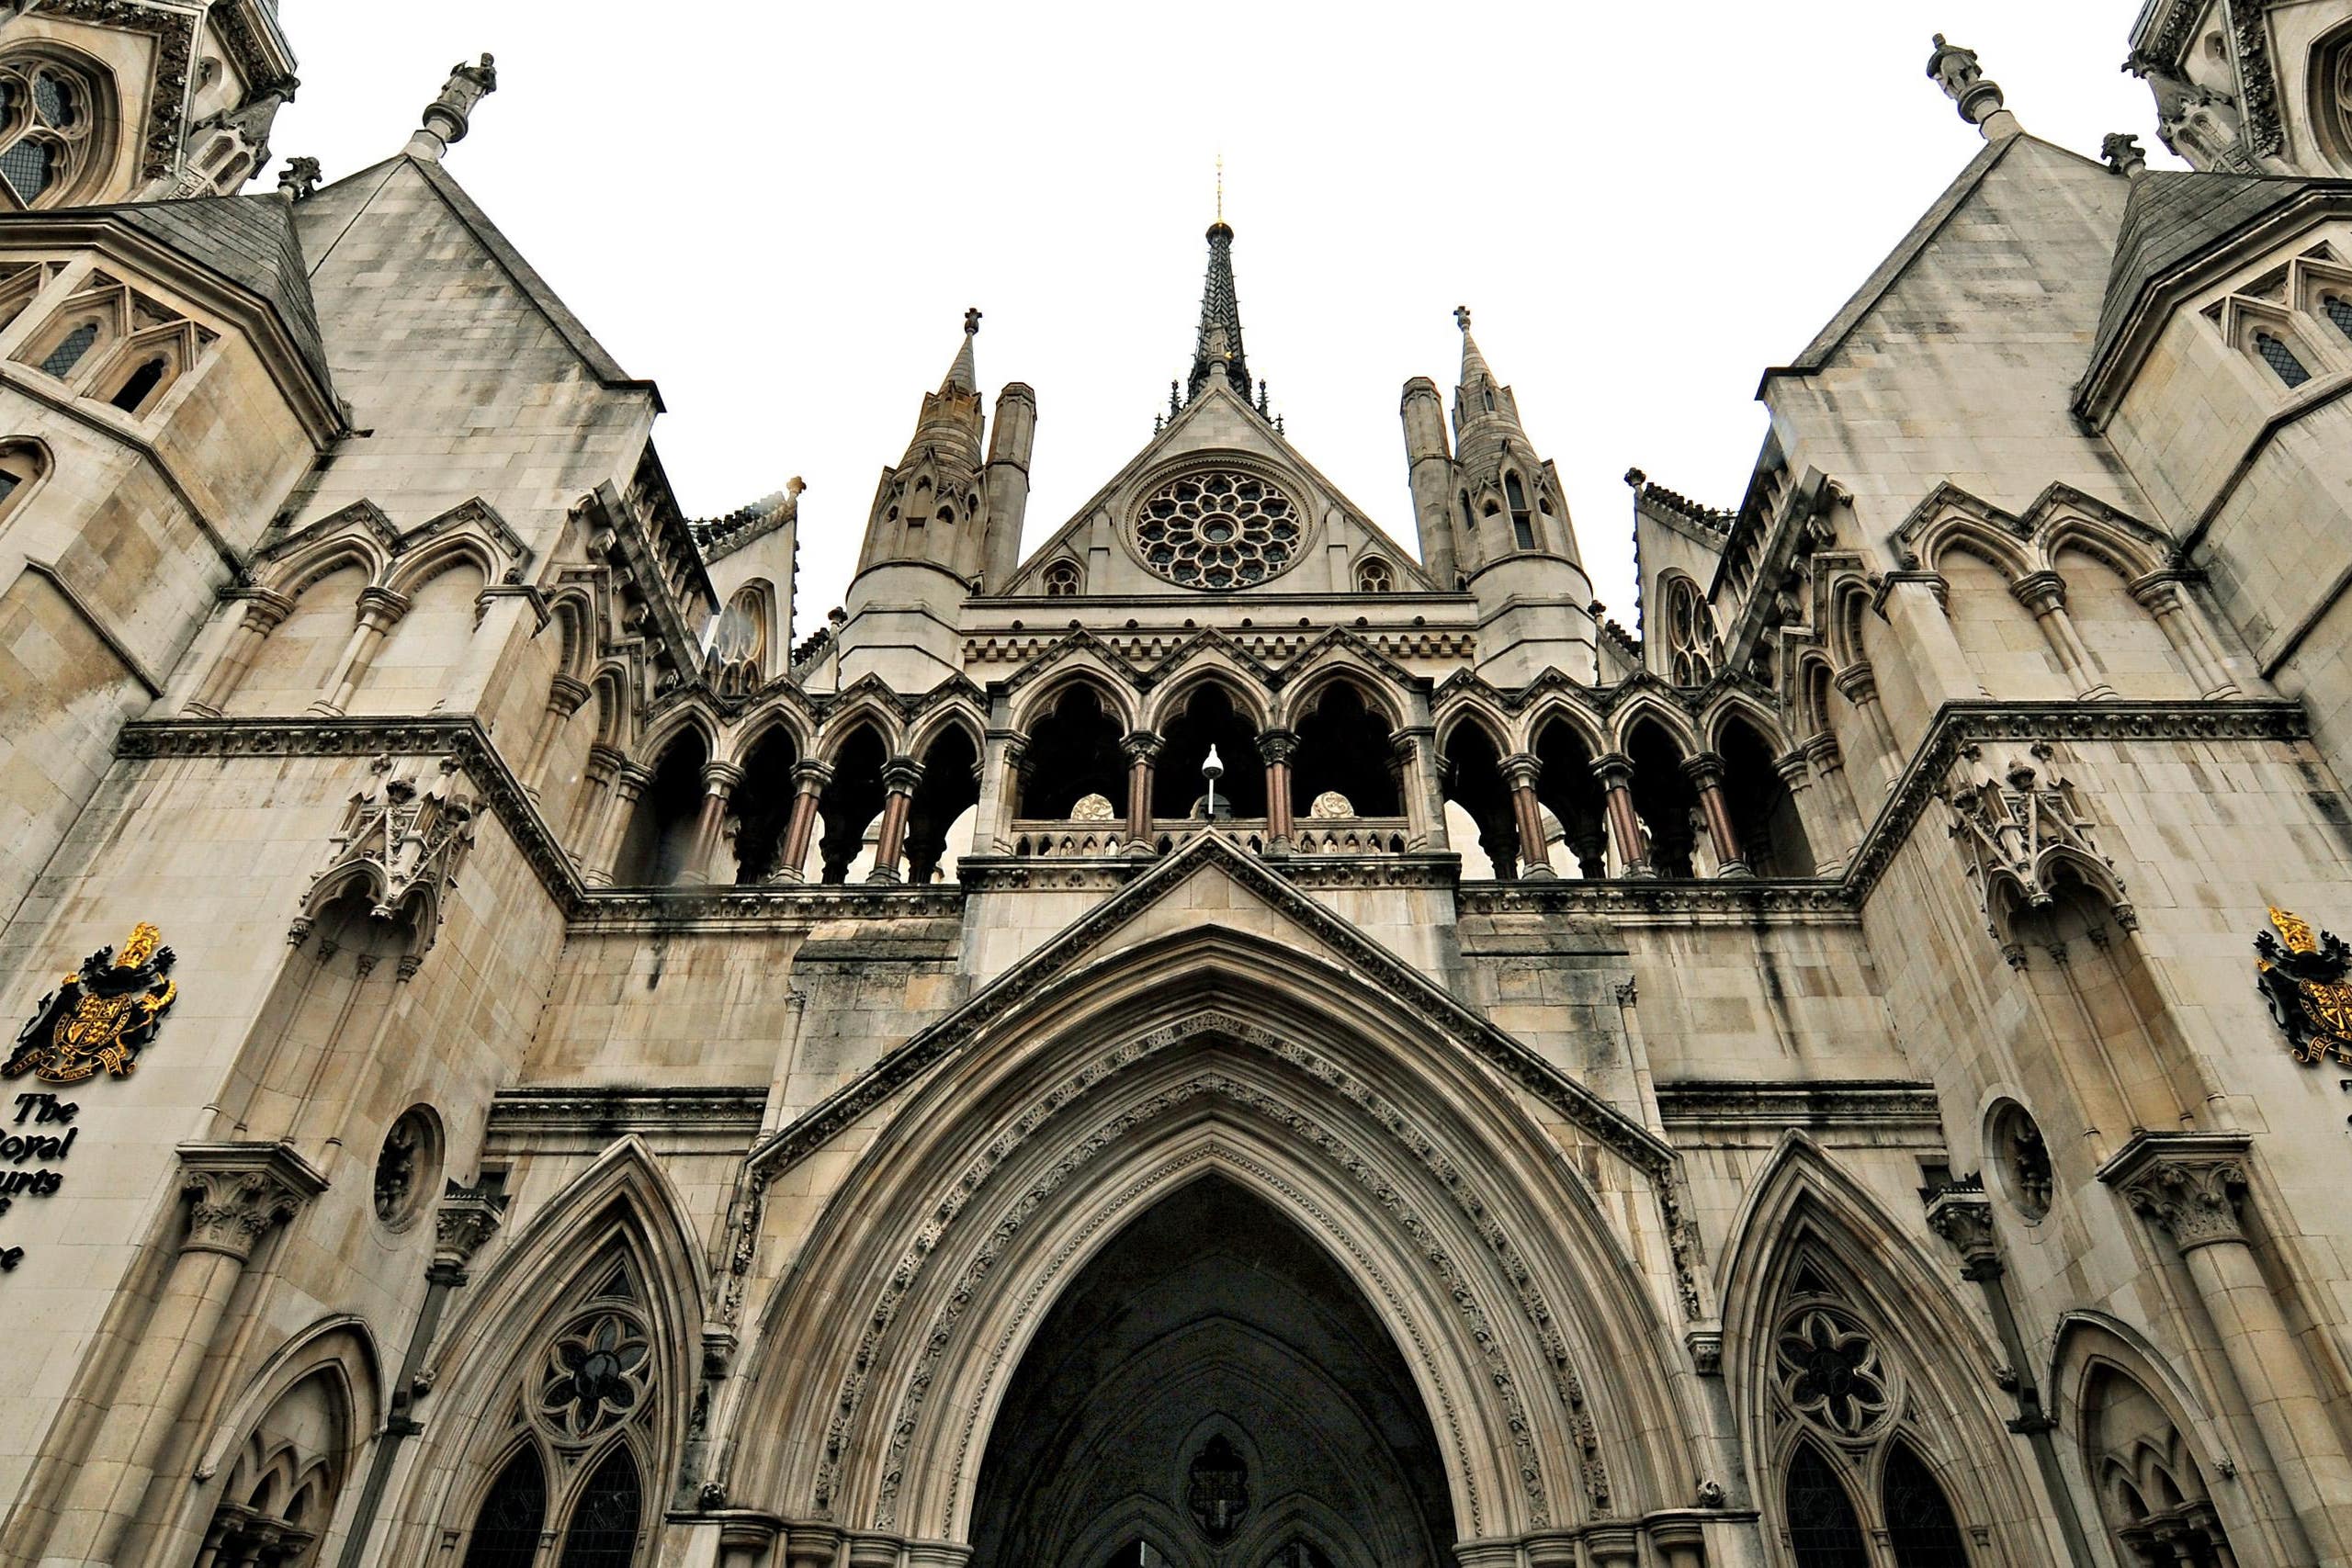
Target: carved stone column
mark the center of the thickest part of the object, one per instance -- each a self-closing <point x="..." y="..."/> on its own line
<point x="1143" y="749"/>
<point x="1679" y="1542"/>
<point x="1962" y="1215"/>
<point x="1859" y="686"/>
<point x="2044" y="594"/>
<point x="259" y="615"/>
<point x="2189" y="1185"/>
<point x="566" y="694"/>
<point x="628" y="785"/>
<point x="718" y="782"/>
<point x="381" y="610"/>
<point x="1520" y="770"/>
<point x="1705" y="771"/>
<point x="2163" y="596"/>
<point x="1000" y="783"/>
<point x="811" y="1546"/>
<point x="237" y="1194"/>
<point x="808" y="782"/>
<point x="899" y="777"/>
<point x="1275" y="748"/>
<point x="1615" y="773"/>
<point x="1827" y="760"/>
<point x="596" y="792"/>
<point x="1415" y="751"/>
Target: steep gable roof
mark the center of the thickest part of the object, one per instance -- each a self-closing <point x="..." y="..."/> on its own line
<point x="248" y="240"/>
<point x="2174" y="220"/>
<point x="367" y="184"/>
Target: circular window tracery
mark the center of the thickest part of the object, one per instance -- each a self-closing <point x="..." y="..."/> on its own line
<point x="597" y="1372"/>
<point x="1830" y="1372"/>
<point x="407" y="1167"/>
<point x="1219" y="529"/>
<point x="47" y="115"/>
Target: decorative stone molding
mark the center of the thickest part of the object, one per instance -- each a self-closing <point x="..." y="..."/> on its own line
<point x="2257" y="81"/>
<point x="175" y="36"/>
<point x="467" y="1218"/>
<point x="240" y="1192"/>
<point x="608" y="1113"/>
<point x="2187" y="1183"/>
<point x="405" y="835"/>
<point x="2015" y="826"/>
<point x="1645" y="902"/>
<point x="1961" y="1213"/>
<point x="1885" y="1107"/>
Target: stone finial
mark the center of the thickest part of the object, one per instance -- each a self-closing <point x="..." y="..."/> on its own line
<point x="2124" y="155"/>
<point x="299" y="179"/>
<point x="447" y="117"/>
<point x="972" y="321"/>
<point x="1461" y="317"/>
<point x="1958" y="72"/>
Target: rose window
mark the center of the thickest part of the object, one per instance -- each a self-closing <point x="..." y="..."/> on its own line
<point x="1219" y="529"/>
<point x="1830" y="1372"/>
<point x="45" y="127"/>
<point x="596" y="1373"/>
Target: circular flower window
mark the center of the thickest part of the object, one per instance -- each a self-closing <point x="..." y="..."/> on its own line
<point x="1219" y="529"/>
<point x="596" y="1373"/>
<point x="1830" y="1372"/>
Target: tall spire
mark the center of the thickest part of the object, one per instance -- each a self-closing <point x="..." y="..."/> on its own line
<point x="962" y="376"/>
<point x="1219" y="348"/>
<point x="1474" y="364"/>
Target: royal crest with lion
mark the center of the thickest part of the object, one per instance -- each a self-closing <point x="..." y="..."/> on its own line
<point x="2304" y="978"/>
<point x="101" y="1016"/>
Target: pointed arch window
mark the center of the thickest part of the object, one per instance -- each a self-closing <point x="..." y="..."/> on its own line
<point x="141" y="385"/>
<point x="1522" y="522"/>
<point x="60" y="360"/>
<point x="1469" y="519"/>
<point x="1920" y="1521"/>
<point x="21" y="466"/>
<point x="1373" y="575"/>
<point x="2339" y="310"/>
<point x="1824" y="1529"/>
<point x="512" y="1512"/>
<point x="48" y="125"/>
<point x="1063" y="580"/>
<point x="603" y="1528"/>
<point x="2281" y="359"/>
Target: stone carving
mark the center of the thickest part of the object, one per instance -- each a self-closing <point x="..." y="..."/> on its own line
<point x="599" y="1369"/>
<point x="1218" y="1489"/>
<point x="1331" y="806"/>
<point x="2306" y="977"/>
<point x="2257" y="82"/>
<point x="400" y="1173"/>
<point x="2123" y="154"/>
<point x="468" y="1217"/>
<point x="446" y="115"/>
<point x="1961" y="1213"/>
<point x="2016" y="828"/>
<point x="1219" y="529"/>
<point x="299" y="179"/>
<point x="2194" y="1199"/>
<point x="175" y="36"/>
<point x="406" y="837"/>
<point x="1956" y="71"/>
<point x="99" y="1016"/>
<point x="230" y="1210"/>
<point x="1093" y="808"/>
<point x="1829" y="1372"/>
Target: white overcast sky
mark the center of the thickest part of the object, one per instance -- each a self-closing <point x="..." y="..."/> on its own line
<point x="779" y="210"/>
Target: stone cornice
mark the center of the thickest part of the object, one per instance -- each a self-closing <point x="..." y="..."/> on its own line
<point x="1741" y="901"/>
<point x="608" y="1112"/>
<point x="1872" y="1103"/>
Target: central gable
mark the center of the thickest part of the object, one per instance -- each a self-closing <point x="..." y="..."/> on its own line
<point x="1219" y="502"/>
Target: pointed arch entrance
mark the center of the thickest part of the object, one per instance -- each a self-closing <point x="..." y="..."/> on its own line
<point x="1453" y="1180"/>
<point x="1213" y="1384"/>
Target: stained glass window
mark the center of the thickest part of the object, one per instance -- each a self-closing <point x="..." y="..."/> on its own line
<point x="1823" y="1530"/>
<point x="506" y="1530"/>
<point x="70" y="350"/>
<point x="1919" y="1522"/>
<point x="31" y="165"/>
<point x="603" y="1533"/>
<point x="2281" y="358"/>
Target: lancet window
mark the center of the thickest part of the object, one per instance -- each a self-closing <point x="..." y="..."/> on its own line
<point x="2281" y="360"/>
<point x="568" y="1490"/>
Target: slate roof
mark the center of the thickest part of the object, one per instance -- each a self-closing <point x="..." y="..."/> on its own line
<point x="247" y="239"/>
<point x="2171" y="220"/>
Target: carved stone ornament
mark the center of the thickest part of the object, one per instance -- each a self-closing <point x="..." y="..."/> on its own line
<point x="467" y="1218"/>
<point x="239" y="1192"/>
<point x="2017" y="827"/>
<point x="2194" y="1199"/>
<point x="100" y="1016"/>
<point x="406" y="835"/>
<point x="1829" y="1372"/>
<point x="1961" y="1213"/>
<point x="1219" y="1494"/>
<point x="1219" y="529"/>
<point x="2304" y="977"/>
<point x="1093" y="808"/>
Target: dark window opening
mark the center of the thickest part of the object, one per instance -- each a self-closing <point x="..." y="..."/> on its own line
<point x="1823" y="1529"/>
<point x="1665" y="799"/>
<point x="1344" y="748"/>
<point x="603" y="1532"/>
<point x="9" y="483"/>
<point x="950" y="786"/>
<point x="2281" y="359"/>
<point x="1919" y="1522"/>
<point x="851" y="802"/>
<point x="1473" y="781"/>
<point x="1567" y="788"/>
<point x="70" y="350"/>
<point x="1073" y="752"/>
<point x="507" y="1527"/>
<point x="1210" y="718"/>
<point x="661" y="833"/>
<point x="1763" y="809"/>
<point x="135" y="388"/>
<point x="762" y="806"/>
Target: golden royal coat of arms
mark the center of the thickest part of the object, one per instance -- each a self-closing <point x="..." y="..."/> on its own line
<point x="101" y="1016"/>
<point x="2303" y="977"/>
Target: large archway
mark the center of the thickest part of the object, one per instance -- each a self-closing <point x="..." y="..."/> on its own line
<point x="1213" y="1388"/>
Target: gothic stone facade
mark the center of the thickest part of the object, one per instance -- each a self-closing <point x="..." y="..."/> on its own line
<point x="1219" y="1040"/>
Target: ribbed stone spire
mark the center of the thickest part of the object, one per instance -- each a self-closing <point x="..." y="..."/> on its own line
<point x="1219" y="348"/>
<point x="1474" y="364"/>
<point x="963" y="375"/>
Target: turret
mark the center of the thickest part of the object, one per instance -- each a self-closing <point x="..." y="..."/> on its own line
<point x="1513" y="542"/>
<point x="1010" y="436"/>
<point x="1431" y="469"/>
<point x="926" y="536"/>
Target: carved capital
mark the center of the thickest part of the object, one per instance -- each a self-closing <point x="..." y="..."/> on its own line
<point x="1143" y="745"/>
<point x="901" y="774"/>
<point x="1615" y="771"/>
<point x="238" y="1193"/>
<point x="1705" y="769"/>
<point x="721" y="778"/>
<point x="566" y="694"/>
<point x="1962" y="1215"/>
<point x="2041" y="592"/>
<point x="380" y="609"/>
<point x="467" y="1218"/>
<point x="1857" y="683"/>
<point x="1275" y="746"/>
<point x="811" y="777"/>
<point x="2187" y="1183"/>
